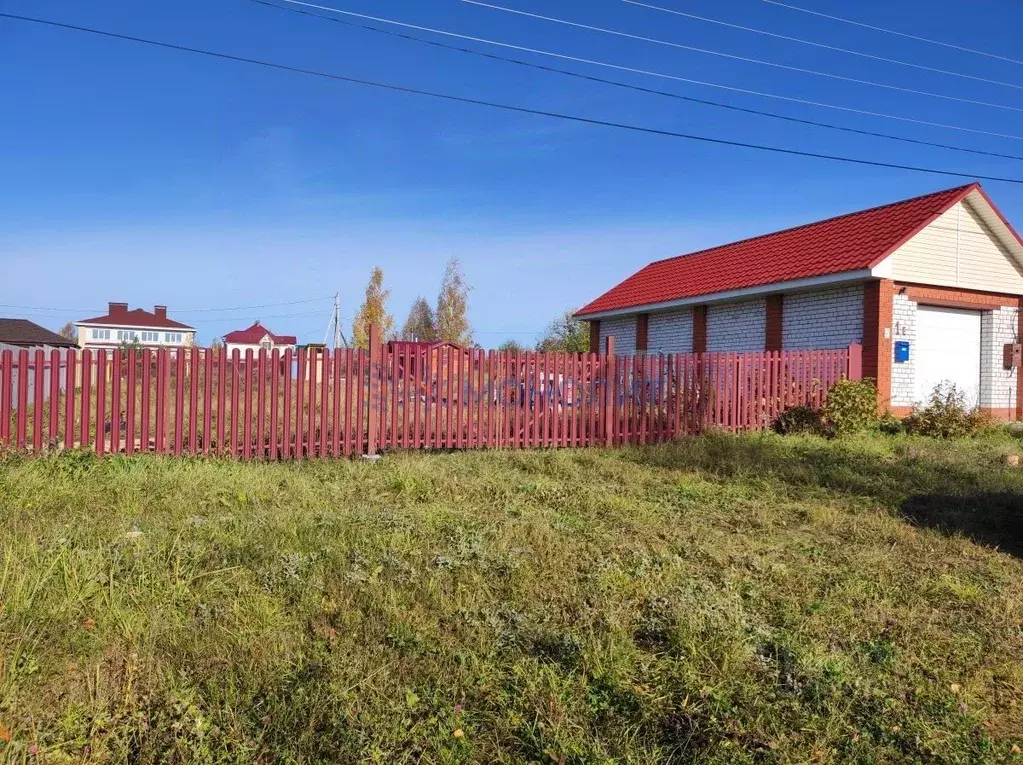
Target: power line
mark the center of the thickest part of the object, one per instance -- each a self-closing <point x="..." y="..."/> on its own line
<point x="616" y="83"/>
<point x="825" y="46"/>
<point x="896" y="32"/>
<point x="271" y="316"/>
<point x="513" y="108"/>
<point x="746" y="59"/>
<point x="176" y="310"/>
<point x="251" y="307"/>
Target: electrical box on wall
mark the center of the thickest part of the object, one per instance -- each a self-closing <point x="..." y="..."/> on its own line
<point x="901" y="351"/>
<point x="1012" y="355"/>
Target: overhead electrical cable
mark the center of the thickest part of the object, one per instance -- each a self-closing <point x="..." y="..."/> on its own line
<point x="907" y="35"/>
<point x="825" y="46"/>
<point x="511" y="107"/>
<point x="746" y="59"/>
<point x="616" y="83"/>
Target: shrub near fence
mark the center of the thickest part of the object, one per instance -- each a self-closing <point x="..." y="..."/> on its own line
<point x="318" y="403"/>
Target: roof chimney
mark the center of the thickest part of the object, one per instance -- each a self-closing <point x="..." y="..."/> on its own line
<point x="116" y="309"/>
<point x="160" y="311"/>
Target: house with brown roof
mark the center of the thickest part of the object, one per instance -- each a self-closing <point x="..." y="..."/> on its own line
<point x="930" y="286"/>
<point x="120" y="326"/>
<point x="22" y="334"/>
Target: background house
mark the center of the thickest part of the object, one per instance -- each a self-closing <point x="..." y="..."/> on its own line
<point x="22" y="334"/>
<point x="18" y="335"/>
<point x="255" y="337"/>
<point x="930" y="286"/>
<point x="120" y="326"/>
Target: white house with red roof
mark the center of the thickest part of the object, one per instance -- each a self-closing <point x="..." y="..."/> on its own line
<point x="121" y="326"/>
<point x="256" y="337"/>
<point x="931" y="287"/>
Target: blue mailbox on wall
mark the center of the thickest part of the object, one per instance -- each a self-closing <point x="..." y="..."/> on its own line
<point x="901" y="351"/>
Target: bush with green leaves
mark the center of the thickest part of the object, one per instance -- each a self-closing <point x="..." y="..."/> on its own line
<point x="890" y="425"/>
<point x="798" y="420"/>
<point x="946" y="415"/>
<point x="851" y="407"/>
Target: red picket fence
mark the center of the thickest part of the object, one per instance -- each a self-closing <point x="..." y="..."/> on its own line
<point x="318" y="403"/>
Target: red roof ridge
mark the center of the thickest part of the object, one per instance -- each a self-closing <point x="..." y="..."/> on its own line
<point x="253" y="334"/>
<point x="852" y="242"/>
<point x="833" y="218"/>
<point x="136" y="317"/>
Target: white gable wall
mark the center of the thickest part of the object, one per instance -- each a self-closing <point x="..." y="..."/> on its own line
<point x="958" y="250"/>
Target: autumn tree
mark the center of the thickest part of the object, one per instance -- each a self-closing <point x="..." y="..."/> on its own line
<point x="68" y="331"/>
<point x="420" y="324"/>
<point x="373" y="311"/>
<point x="453" y="306"/>
<point x="566" y="333"/>
<point x="511" y="346"/>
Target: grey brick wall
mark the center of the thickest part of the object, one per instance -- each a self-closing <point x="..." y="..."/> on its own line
<point x="737" y="326"/>
<point x="623" y="328"/>
<point x="670" y="332"/>
<point x="903" y="328"/>
<point x="997" y="384"/>
<point x="827" y="318"/>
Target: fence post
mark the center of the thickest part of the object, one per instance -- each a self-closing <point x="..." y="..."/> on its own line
<point x="374" y="390"/>
<point x="609" y="393"/>
<point x="854" y="368"/>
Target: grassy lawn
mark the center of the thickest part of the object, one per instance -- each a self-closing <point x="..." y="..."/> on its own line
<point x="725" y="599"/>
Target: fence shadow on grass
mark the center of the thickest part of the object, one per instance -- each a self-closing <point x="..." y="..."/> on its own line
<point x="994" y="519"/>
<point x="950" y="487"/>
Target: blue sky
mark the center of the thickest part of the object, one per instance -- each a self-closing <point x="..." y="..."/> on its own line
<point x="144" y="175"/>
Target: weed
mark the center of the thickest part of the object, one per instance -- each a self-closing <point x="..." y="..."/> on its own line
<point x="720" y="599"/>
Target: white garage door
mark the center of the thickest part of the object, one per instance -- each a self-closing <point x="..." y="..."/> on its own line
<point x="947" y="350"/>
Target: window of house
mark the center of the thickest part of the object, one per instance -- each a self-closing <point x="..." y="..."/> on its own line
<point x="150" y="337"/>
<point x="173" y="337"/>
<point x="101" y="334"/>
<point x="126" y="335"/>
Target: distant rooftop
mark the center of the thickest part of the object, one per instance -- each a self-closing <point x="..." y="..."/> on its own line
<point x="118" y="315"/>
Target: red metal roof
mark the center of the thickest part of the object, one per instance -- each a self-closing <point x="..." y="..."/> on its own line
<point x="118" y="315"/>
<point x="851" y="242"/>
<point x="255" y="334"/>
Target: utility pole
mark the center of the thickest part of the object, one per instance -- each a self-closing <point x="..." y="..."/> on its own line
<point x="335" y="322"/>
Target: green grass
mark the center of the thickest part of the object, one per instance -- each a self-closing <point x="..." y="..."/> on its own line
<point x="725" y="599"/>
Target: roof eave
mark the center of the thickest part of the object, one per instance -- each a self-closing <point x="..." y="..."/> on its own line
<point x="834" y="279"/>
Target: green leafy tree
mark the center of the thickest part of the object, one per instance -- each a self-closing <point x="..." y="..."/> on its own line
<point x="421" y="324"/>
<point x="511" y="346"/>
<point x="373" y="311"/>
<point x="566" y="333"/>
<point x="453" y="306"/>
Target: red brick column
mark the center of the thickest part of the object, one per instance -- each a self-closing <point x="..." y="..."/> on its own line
<point x="877" y="337"/>
<point x="775" y="313"/>
<point x="700" y="329"/>
<point x="595" y="336"/>
<point x="642" y="327"/>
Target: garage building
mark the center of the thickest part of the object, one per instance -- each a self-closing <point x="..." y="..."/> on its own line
<point x="930" y="286"/>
